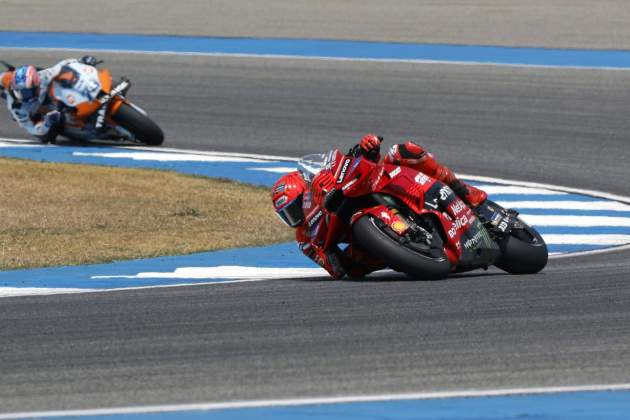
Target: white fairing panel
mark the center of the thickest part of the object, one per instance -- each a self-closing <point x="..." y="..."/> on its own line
<point x="85" y="88"/>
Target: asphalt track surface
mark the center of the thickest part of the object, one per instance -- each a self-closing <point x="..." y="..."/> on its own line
<point x="569" y="325"/>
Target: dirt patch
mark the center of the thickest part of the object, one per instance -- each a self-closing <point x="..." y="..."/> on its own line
<point x="64" y="214"/>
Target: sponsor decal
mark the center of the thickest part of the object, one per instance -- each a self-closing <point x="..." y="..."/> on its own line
<point x="470" y="243"/>
<point x="500" y="222"/>
<point x="385" y="216"/>
<point x="395" y="172"/>
<point x="422" y="179"/>
<point x="280" y="201"/>
<point x="279" y="189"/>
<point x="315" y="218"/>
<point x="399" y="226"/>
<point x="457" y="207"/>
<point x="378" y="177"/>
<point x="459" y="223"/>
<point x="100" y="117"/>
<point x="433" y="204"/>
<point x="117" y="90"/>
<point x="356" y="163"/>
<point x="344" y="169"/>
<point x="349" y="184"/>
<point x="445" y="192"/>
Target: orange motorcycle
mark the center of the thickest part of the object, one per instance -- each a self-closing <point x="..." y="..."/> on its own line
<point x="94" y="108"/>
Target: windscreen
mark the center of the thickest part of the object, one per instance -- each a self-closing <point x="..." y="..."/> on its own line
<point x="310" y="165"/>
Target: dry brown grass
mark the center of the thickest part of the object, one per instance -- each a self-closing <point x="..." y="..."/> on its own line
<point x="60" y="214"/>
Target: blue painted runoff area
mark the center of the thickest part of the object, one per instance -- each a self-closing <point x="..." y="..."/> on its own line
<point x="123" y="272"/>
<point x="609" y="405"/>
<point x="338" y="49"/>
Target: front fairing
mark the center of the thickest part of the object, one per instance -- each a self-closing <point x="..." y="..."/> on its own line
<point x="76" y="84"/>
<point x="464" y="233"/>
<point x="322" y="227"/>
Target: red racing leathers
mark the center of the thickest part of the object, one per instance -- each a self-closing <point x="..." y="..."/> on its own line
<point x="353" y="260"/>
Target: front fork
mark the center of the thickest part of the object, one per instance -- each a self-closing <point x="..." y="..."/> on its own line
<point x="497" y="220"/>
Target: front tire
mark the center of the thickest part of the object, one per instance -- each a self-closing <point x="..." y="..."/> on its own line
<point x="373" y="237"/>
<point x="523" y="252"/>
<point x="138" y="124"/>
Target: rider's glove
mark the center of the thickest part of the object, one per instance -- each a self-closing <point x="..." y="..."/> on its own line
<point x="370" y="142"/>
<point x="52" y="118"/>
<point x="88" y="60"/>
<point x="371" y="146"/>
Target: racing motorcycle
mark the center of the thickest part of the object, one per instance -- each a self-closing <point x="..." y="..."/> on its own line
<point x="413" y="223"/>
<point x="94" y="108"/>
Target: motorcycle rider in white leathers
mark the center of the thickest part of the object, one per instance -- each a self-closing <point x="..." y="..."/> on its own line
<point x="26" y="94"/>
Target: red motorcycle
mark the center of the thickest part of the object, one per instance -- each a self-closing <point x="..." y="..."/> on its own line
<point x="414" y="223"/>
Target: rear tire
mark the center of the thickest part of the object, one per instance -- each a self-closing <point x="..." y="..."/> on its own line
<point x="523" y="255"/>
<point x="378" y="243"/>
<point x="141" y="126"/>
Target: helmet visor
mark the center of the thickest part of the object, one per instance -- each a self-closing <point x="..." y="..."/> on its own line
<point x="292" y="214"/>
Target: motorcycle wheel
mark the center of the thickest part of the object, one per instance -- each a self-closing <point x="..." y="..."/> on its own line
<point x="378" y="239"/>
<point x="141" y="126"/>
<point x="523" y="252"/>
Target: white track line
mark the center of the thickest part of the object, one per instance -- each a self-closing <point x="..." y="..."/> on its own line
<point x="587" y="253"/>
<point x="506" y="189"/>
<point x="15" y="291"/>
<point x="162" y="156"/>
<point x="561" y="189"/>
<point x="566" y="205"/>
<point x="37" y="291"/>
<point x="275" y="169"/>
<point x="600" y="239"/>
<point x="225" y="272"/>
<point x="578" y="221"/>
<point x="474" y="393"/>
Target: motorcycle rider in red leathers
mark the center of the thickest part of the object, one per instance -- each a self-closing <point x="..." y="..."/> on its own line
<point x="291" y="197"/>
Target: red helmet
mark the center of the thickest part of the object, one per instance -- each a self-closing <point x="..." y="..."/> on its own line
<point x="286" y="195"/>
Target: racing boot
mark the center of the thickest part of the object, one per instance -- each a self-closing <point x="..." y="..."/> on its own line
<point x="358" y="263"/>
<point x="414" y="156"/>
